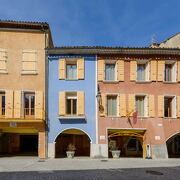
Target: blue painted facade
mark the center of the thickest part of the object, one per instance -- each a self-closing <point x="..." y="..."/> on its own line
<point x="88" y="85"/>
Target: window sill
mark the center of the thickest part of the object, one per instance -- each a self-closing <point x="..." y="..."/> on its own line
<point x="170" y="117"/>
<point x="29" y="73"/>
<point x="106" y="81"/>
<point x="71" y="117"/>
<point x="143" y="81"/>
<point x="3" y="72"/>
<point x="71" y="79"/>
<point x="170" y="82"/>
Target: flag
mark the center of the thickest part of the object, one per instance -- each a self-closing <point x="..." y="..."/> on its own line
<point x="135" y="117"/>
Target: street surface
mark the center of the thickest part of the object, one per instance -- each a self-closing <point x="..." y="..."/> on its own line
<point x="31" y="168"/>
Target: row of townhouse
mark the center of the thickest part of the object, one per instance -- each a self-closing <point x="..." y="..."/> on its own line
<point x="51" y="97"/>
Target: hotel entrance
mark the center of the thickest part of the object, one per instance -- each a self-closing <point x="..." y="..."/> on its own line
<point x="129" y="142"/>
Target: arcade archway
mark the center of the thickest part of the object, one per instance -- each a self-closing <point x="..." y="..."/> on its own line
<point x="78" y="138"/>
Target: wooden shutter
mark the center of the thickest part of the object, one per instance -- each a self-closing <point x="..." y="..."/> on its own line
<point x="80" y="68"/>
<point x="62" y="103"/>
<point x="120" y="70"/>
<point x="39" y="113"/>
<point x="62" y="71"/>
<point x="9" y="104"/>
<point x="161" y="70"/>
<point x="151" y="106"/>
<point x="178" y="71"/>
<point x="131" y="103"/>
<point x="102" y="111"/>
<point x="101" y="70"/>
<point x="122" y="105"/>
<point x="17" y="104"/>
<point x="161" y="106"/>
<point x="133" y="66"/>
<point x="29" y="61"/>
<point x="178" y="106"/>
<point x="153" y="70"/>
<point x="80" y="103"/>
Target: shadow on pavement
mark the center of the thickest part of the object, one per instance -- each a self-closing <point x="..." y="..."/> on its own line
<point x="169" y="173"/>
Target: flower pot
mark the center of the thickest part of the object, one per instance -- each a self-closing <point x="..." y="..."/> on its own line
<point x="115" y="154"/>
<point x="70" y="154"/>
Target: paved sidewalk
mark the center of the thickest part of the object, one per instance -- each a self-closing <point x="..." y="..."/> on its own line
<point x="12" y="164"/>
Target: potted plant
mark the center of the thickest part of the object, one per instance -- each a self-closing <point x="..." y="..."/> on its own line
<point x="70" y="151"/>
<point x="114" y="150"/>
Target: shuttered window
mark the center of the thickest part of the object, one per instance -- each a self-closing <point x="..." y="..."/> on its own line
<point x="170" y="72"/>
<point x="140" y="105"/>
<point x="142" y="71"/>
<point x="3" y="61"/>
<point x="110" y="72"/>
<point x="111" y="105"/>
<point x="71" y="68"/>
<point x="29" y="62"/>
<point x="169" y="106"/>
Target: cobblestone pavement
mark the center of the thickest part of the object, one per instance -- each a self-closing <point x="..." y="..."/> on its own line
<point x="165" y="173"/>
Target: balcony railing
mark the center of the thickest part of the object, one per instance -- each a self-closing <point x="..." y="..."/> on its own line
<point x="24" y="113"/>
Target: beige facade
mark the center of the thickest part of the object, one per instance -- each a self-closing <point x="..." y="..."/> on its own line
<point x="22" y="82"/>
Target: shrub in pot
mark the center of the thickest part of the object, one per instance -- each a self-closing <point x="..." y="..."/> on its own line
<point x="114" y="149"/>
<point x="70" y="151"/>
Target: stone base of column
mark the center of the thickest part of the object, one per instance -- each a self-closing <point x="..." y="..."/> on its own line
<point x="159" y="151"/>
<point x="51" y="150"/>
<point x="99" y="151"/>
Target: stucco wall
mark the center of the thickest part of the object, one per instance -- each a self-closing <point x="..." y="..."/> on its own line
<point x="88" y="85"/>
<point x="14" y="43"/>
<point x="163" y="127"/>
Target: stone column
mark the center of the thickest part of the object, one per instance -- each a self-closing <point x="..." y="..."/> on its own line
<point x="42" y="144"/>
<point x="51" y="150"/>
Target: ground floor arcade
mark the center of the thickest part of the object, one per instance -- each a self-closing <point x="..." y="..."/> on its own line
<point x="22" y="138"/>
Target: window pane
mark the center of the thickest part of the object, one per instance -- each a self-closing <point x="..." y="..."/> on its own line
<point x="114" y="106"/>
<point x="68" y="72"/>
<point x="68" y="107"/>
<point x="32" y="104"/>
<point x="168" y="72"/>
<point x="168" y="107"/>
<point x="109" y="71"/>
<point x="140" y="106"/>
<point x="111" y="106"/>
<point x="74" y="106"/>
<point x="74" y="67"/>
<point x="140" y="72"/>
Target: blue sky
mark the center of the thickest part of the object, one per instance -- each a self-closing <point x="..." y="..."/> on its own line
<point x="124" y="23"/>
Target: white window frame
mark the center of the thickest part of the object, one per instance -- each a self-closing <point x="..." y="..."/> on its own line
<point x="115" y="70"/>
<point x="117" y="104"/>
<point x="174" y="70"/>
<point x="26" y="71"/>
<point x="147" y="69"/>
<point x="146" y="104"/>
<point x="173" y="105"/>
<point x="71" y="95"/>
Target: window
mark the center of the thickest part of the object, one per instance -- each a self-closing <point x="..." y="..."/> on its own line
<point x="170" y="72"/>
<point x="71" y="103"/>
<point x="140" y="105"/>
<point x="142" y="71"/>
<point x="110" y="72"/>
<point x="29" y="105"/>
<point x="2" y="104"/>
<point x="3" y="61"/>
<point x="71" y="70"/>
<point x="29" y="62"/>
<point x="111" y="105"/>
<point x="169" y="107"/>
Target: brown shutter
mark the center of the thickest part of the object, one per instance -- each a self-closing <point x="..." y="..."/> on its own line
<point x="151" y="106"/>
<point x="178" y="71"/>
<point x="103" y="105"/>
<point x="122" y="105"/>
<point x="161" y="70"/>
<point x="39" y="113"/>
<point x="131" y="103"/>
<point x="62" y="103"/>
<point x="133" y="66"/>
<point x="178" y="106"/>
<point x="153" y="70"/>
<point x="17" y="104"/>
<point x="120" y="70"/>
<point x="101" y="70"/>
<point x="80" y="68"/>
<point x="9" y="104"/>
<point x="161" y="106"/>
<point x="62" y="69"/>
<point x="80" y="103"/>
